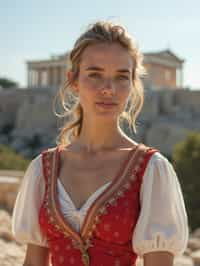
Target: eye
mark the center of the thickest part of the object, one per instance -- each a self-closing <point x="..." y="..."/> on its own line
<point x="94" y="75"/>
<point x="122" y="77"/>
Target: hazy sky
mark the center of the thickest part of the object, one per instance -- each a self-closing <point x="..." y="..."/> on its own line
<point x="38" y="29"/>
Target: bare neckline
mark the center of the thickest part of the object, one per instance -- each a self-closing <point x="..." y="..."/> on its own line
<point x="120" y="171"/>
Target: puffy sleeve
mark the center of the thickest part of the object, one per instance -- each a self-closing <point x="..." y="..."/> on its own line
<point x="25" y="218"/>
<point x="163" y="223"/>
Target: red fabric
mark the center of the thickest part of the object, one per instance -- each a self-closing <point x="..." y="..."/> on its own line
<point x="112" y="237"/>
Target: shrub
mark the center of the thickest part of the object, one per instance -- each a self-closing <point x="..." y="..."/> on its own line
<point x="10" y="160"/>
<point x="186" y="161"/>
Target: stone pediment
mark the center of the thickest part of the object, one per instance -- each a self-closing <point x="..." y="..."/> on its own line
<point x="169" y="55"/>
<point x="165" y="57"/>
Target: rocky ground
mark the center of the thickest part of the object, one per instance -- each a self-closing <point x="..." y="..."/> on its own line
<point x="12" y="253"/>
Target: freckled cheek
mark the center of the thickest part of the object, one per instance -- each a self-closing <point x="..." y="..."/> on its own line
<point x="88" y="84"/>
<point x="123" y="91"/>
<point x="123" y="96"/>
<point x="87" y="94"/>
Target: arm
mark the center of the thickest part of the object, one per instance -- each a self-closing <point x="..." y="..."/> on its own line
<point x="25" y="218"/>
<point x="161" y="232"/>
<point x="158" y="258"/>
<point x="36" y="256"/>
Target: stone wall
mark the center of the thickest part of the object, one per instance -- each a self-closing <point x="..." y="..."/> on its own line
<point x="28" y="122"/>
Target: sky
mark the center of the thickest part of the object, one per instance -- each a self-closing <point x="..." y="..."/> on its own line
<point x="32" y="30"/>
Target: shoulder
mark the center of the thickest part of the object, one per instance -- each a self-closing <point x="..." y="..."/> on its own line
<point x="33" y="173"/>
<point x="35" y="167"/>
<point x="156" y="158"/>
<point x="159" y="170"/>
<point x="37" y="161"/>
<point x="159" y="160"/>
<point x="35" y="164"/>
<point x="159" y="176"/>
<point x="157" y="155"/>
<point x="151" y="150"/>
<point x="48" y="152"/>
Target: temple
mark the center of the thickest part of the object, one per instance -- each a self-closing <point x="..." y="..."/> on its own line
<point x="164" y="71"/>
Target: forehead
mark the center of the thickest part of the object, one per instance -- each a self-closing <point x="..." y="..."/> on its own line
<point x="106" y="54"/>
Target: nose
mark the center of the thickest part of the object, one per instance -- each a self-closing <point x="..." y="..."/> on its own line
<point x="108" y="87"/>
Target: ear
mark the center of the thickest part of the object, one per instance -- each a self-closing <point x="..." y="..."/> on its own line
<point x="74" y="85"/>
<point x="69" y="74"/>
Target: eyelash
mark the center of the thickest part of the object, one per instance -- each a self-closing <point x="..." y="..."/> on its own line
<point x="97" y="75"/>
<point x="94" y="75"/>
<point x="123" y="77"/>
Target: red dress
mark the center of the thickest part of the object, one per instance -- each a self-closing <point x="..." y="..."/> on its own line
<point x="106" y="233"/>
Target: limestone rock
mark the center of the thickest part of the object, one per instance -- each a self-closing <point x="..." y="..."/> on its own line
<point x="8" y="191"/>
<point x="194" y="244"/>
<point x="11" y="254"/>
<point x="5" y="226"/>
<point x="196" y="233"/>
<point x="183" y="261"/>
<point x="150" y="110"/>
<point x="36" y="112"/>
<point x="164" y="135"/>
<point x="196" y="257"/>
<point x="178" y="261"/>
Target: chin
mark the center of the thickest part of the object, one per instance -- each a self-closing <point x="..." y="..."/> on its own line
<point x="107" y="115"/>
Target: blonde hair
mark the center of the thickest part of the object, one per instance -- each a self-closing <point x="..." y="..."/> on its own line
<point x="99" y="32"/>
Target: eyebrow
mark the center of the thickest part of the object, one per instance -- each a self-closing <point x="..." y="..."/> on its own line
<point x="95" y="68"/>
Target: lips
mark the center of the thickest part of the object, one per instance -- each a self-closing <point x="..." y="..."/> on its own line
<point x="107" y="103"/>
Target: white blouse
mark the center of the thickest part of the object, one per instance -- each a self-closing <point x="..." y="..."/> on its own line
<point x="162" y="224"/>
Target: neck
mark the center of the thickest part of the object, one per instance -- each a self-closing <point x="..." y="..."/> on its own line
<point x="100" y="135"/>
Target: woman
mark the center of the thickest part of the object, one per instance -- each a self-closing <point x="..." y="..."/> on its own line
<point x="100" y="198"/>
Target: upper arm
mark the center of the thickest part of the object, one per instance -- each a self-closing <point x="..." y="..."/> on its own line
<point x="158" y="258"/>
<point x="36" y="256"/>
<point x="162" y="224"/>
<point x="25" y="217"/>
